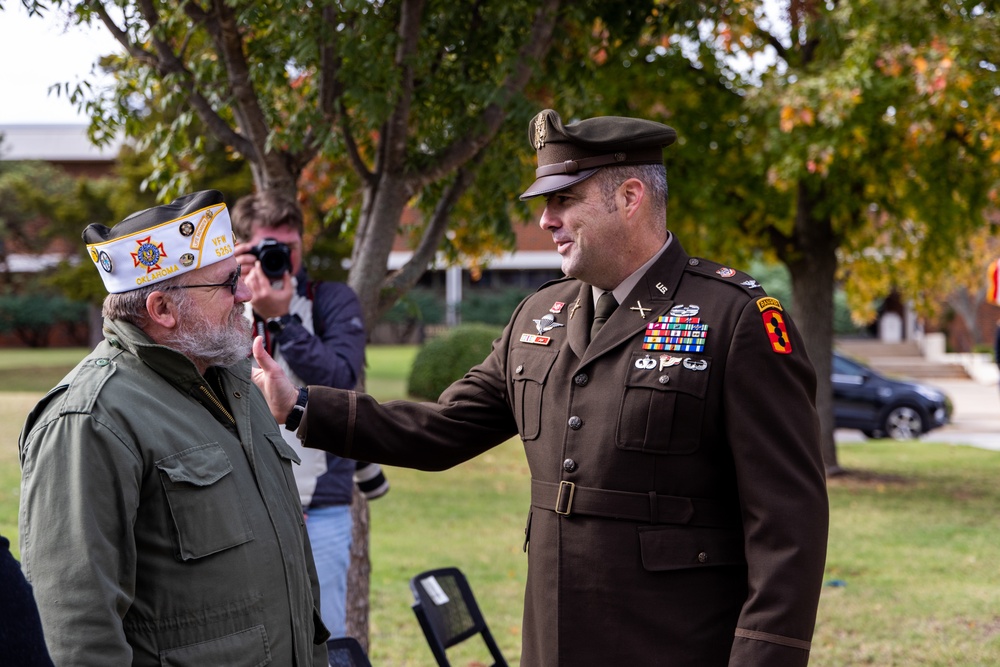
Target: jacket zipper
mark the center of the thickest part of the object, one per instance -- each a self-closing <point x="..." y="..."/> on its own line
<point x="216" y="402"/>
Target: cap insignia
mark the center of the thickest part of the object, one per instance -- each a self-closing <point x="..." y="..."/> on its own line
<point x="148" y="254"/>
<point x="540" y="124"/>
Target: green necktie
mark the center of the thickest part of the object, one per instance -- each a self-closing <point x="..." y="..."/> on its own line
<point x="605" y="306"/>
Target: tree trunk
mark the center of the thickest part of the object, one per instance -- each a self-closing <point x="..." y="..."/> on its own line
<point x="812" y="261"/>
<point x="359" y="574"/>
<point x="384" y="206"/>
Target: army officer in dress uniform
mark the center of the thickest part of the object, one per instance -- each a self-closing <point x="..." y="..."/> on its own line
<point x="666" y="404"/>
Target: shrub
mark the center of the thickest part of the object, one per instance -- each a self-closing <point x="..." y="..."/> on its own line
<point x="447" y="358"/>
<point x="31" y="316"/>
<point x="491" y="307"/>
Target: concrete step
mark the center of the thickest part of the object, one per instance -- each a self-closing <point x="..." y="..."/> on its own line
<point x="870" y="348"/>
<point x="899" y="360"/>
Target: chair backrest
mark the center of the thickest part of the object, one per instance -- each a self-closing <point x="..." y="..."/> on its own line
<point x="448" y="613"/>
<point x="347" y="652"/>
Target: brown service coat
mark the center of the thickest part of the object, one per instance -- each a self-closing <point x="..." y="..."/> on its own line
<point x="728" y="571"/>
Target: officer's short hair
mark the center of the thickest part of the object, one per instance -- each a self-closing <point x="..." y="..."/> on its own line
<point x="653" y="176"/>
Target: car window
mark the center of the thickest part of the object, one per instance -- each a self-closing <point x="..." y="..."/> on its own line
<point x="846" y="371"/>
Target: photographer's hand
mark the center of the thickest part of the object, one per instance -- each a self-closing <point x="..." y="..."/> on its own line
<point x="268" y="301"/>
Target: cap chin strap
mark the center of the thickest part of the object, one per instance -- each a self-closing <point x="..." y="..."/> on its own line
<point x="653" y="156"/>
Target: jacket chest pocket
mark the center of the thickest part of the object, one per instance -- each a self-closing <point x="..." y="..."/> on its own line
<point x="204" y="500"/>
<point x="663" y="403"/>
<point x="528" y="371"/>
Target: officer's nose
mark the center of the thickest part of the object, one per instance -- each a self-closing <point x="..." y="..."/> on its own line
<point x="549" y="220"/>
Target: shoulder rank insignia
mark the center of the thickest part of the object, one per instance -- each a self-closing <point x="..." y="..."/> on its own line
<point x="774" y="324"/>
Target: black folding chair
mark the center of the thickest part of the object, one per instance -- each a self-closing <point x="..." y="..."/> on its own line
<point x="448" y="613"/>
<point x="347" y="652"/>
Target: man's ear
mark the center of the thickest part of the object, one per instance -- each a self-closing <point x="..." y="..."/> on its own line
<point x="631" y="194"/>
<point x="162" y="310"/>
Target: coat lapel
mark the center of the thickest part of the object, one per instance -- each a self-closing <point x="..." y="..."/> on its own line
<point x="653" y="293"/>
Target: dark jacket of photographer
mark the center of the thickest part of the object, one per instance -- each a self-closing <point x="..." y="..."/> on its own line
<point x="331" y="355"/>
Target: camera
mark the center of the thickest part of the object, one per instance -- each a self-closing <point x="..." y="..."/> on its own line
<point x="275" y="258"/>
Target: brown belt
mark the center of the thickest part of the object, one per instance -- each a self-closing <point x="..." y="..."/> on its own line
<point x="566" y="498"/>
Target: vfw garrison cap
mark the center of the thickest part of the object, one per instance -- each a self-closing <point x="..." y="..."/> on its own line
<point x="568" y="154"/>
<point x="162" y="242"/>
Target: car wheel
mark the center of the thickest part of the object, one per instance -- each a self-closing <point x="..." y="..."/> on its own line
<point x="903" y="423"/>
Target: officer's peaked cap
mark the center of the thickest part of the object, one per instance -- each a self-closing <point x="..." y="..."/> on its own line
<point x="568" y="154"/>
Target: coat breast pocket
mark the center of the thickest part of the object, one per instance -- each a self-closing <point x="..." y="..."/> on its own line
<point x="528" y="370"/>
<point x="663" y="403"/>
<point x="204" y="500"/>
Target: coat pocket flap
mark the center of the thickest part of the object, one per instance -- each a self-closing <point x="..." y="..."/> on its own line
<point x="284" y="450"/>
<point x="201" y="466"/>
<point x="680" y="548"/>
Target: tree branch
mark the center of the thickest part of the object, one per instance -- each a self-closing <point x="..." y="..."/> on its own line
<point x="121" y="36"/>
<point x="463" y="148"/>
<point x="394" y="139"/>
<point x="221" y="26"/>
<point x="410" y="273"/>
<point x="167" y="63"/>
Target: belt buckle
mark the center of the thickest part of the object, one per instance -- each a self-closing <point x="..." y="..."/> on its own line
<point x="564" y="501"/>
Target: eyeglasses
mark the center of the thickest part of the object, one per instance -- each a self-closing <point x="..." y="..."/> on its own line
<point x="233" y="281"/>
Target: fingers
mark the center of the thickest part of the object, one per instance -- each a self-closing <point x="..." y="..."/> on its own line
<point x="278" y="390"/>
<point x="264" y="360"/>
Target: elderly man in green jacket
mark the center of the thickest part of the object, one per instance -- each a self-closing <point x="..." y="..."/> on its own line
<point x="159" y="520"/>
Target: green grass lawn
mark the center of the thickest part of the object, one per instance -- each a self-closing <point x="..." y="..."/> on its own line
<point x="913" y="567"/>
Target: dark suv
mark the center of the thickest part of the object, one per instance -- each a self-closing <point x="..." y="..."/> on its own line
<point x="881" y="407"/>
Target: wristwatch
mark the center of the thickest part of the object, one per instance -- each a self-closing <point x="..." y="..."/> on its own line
<point x="275" y="325"/>
<point x="295" y="416"/>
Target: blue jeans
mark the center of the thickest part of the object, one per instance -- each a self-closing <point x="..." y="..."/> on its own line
<point x="329" y="531"/>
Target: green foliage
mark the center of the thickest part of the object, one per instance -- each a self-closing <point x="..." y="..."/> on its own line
<point x="777" y="282"/>
<point x="31" y="316"/>
<point x="30" y="191"/>
<point x="449" y="357"/>
<point x="490" y="307"/>
<point x="418" y="306"/>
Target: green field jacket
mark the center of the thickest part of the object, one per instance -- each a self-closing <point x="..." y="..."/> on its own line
<point x="159" y="520"/>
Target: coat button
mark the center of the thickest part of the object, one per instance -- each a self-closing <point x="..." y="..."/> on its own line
<point x="575" y="423"/>
<point x="664" y="379"/>
<point x="519" y="369"/>
<point x="703" y="557"/>
<point x="569" y="465"/>
<point x="581" y="379"/>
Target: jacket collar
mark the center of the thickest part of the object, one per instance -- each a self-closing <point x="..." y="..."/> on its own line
<point x="651" y="297"/>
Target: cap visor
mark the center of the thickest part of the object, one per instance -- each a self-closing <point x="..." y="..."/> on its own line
<point x="549" y="184"/>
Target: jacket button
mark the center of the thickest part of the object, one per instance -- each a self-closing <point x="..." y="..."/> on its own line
<point x="703" y="557"/>
<point x="575" y="423"/>
<point x="569" y="465"/>
<point x="664" y="379"/>
<point x="581" y="379"/>
<point x="519" y="369"/>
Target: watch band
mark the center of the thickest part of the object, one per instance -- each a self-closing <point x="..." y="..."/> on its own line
<point x="275" y="325"/>
<point x="295" y="416"/>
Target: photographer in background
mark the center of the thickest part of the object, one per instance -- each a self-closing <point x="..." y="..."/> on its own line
<point x="315" y="330"/>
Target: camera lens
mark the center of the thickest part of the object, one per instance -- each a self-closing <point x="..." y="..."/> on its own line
<point x="275" y="258"/>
